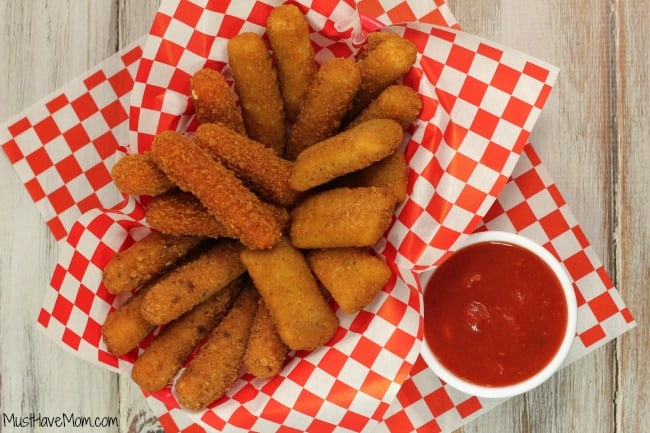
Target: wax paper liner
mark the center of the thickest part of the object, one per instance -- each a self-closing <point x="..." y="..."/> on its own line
<point x="63" y="148"/>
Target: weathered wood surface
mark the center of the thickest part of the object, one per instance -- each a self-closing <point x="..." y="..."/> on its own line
<point x="592" y="136"/>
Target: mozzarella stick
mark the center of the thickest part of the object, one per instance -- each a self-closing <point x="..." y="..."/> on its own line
<point x="125" y="327"/>
<point x="345" y="152"/>
<point x="217" y="365"/>
<point x="191" y="283"/>
<point x="172" y="347"/>
<point x="213" y="100"/>
<point x="181" y="213"/>
<point x="397" y="102"/>
<point x="387" y="59"/>
<point x="328" y="98"/>
<point x="137" y="174"/>
<point x="288" y="33"/>
<point x="391" y="172"/>
<point x="221" y="192"/>
<point x="258" y="166"/>
<point x="129" y="269"/>
<point x="342" y="217"/>
<point x="265" y="352"/>
<point x="353" y="276"/>
<point x="256" y="83"/>
<point x="302" y="316"/>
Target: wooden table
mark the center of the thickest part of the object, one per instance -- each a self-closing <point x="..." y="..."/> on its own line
<point x="591" y="137"/>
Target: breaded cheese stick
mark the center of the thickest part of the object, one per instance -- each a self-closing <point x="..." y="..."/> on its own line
<point x="216" y="367"/>
<point x="213" y="100"/>
<point x="166" y="354"/>
<point x="137" y="174"/>
<point x="221" y="192"/>
<point x="342" y="217"/>
<point x="302" y="316"/>
<point x="391" y="172"/>
<point x="129" y="269"/>
<point x="125" y="328"/>
<point x="387" y="59"/>
<point x="258" y="166"/>
<point x="256" y="83"/>
<point x="181" y="213"/>
<point x="191" y="283"/>
<point x="288" y="33"/>
<point x="398" y="102"/>
<point x="328" y="98"/>
<point x="345" y="152"/>
<point x="353" y="276"/>
<point x="265" y="352"/>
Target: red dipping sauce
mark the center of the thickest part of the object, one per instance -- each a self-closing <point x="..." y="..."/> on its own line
<point x="495" y="314"/>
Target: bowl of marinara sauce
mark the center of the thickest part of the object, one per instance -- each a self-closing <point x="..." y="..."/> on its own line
<point x="499" y="316"/>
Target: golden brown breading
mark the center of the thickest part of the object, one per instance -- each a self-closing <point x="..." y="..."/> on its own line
<point x="353" y="276"/>
<point x="256" y="165"/>
<point x="288" y="33"/>
<point x="129" y="269"/>
<point x="345" y="152"/>
<point x="181" y="213"/>
<point x="125" y="327"/>
<point x="191" y="283"/>
<point x="256" y="83"/>
<point x="342" y="217"/>
<point x="217" y="365"/>
<point x="193" y="169"/>
<point x="398" y="102"/>
<point x="265" y="353"/>
<point x="137" y="174"/>
<point x="214" y="101"/>
<point x="391" y="172"/>
<point x="301" y="315"/>
<point x="328" y="98"/>
<point x="167" y="353"/>
<point x="387" y="59"/>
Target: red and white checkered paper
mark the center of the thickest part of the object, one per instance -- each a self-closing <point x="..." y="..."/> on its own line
<point x="471" y="168"/>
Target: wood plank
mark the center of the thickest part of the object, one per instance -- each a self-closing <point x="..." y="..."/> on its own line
<point x="44" y="44"/>
<point x="575" y="144"/>
<point x="633" y="218"/>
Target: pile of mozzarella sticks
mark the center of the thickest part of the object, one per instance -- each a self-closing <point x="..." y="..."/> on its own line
<point x="263" y="214"/>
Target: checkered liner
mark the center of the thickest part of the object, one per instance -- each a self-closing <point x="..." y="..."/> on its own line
<point x="64" y="146"/>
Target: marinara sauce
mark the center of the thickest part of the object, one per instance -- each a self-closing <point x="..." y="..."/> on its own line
<point x="494" y="314"/>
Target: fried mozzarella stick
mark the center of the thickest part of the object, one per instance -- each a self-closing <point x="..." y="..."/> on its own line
<point x="256" y="83"/>
<point x="387" y="59"/>
<point x="398" y="102"/>
<point x="138" y="174"/>
<point x="391" y="172"/>
<point x="265" y="352"/>
<point x="181" y="213"/>
<point x="172" y="347"/>
<point x="302" y="316"/>
<point x="193" y="169"/>
<point x="125" y="327"/>
<point x="345" y="152"/>
<point x="186" y="286"/>
<point x="288" y="33"/>
<point x="353" y="276"/>
<point x="342" y="217"/>
<point x="145" y="259"/>
<point x="328" y="98"/>
<point x="258" y="166"/>
<point x="216" y="367"/>
<point x="213" y="100"/>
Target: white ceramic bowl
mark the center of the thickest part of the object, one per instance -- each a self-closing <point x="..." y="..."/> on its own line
<point x="555" y="362"/>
